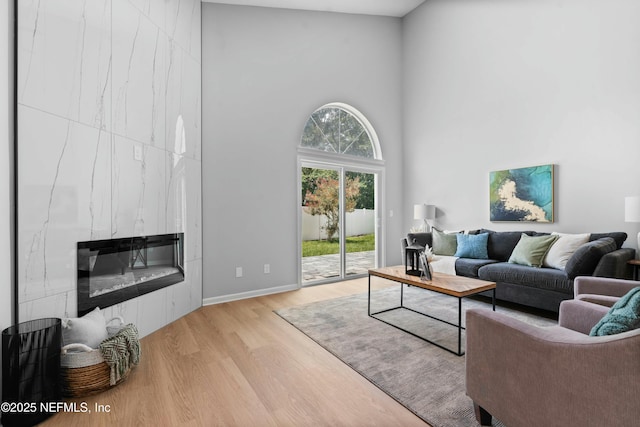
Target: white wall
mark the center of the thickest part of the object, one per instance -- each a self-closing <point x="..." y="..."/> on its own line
<point x="6" y="171"/>
<point x="109" y="145"/>
<point x="264" y="72"/>
<point x="497" y="85"/>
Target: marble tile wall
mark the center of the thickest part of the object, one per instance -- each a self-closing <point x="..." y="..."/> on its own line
<point x="109" y="110"/>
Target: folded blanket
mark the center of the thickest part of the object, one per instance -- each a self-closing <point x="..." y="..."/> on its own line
<point x="623" y="316"/>
<point x="121" y="352"/>
<point x="444" y="264"/>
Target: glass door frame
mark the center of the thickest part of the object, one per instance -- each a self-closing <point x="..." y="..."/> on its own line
<point x="343" y="165"/>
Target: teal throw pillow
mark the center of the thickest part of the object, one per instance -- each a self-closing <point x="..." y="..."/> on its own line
<point x="443" y="243"/>
<point x="472" y="246"/>
<point x="622" y="317"/>
<point x="531" y="250"/>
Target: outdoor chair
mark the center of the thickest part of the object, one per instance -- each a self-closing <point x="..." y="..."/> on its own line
<point x="526" y="375"/>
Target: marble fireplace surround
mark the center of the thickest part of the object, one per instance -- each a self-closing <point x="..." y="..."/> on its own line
<point x="108" y="145"/>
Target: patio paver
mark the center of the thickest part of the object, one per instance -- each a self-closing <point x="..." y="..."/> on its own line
<point x="328" y="266"/>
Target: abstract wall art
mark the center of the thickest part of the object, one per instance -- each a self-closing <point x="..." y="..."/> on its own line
<point x="523" y="194"/>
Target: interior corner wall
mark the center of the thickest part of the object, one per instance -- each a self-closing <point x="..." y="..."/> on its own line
<point x="109" y="136"/>
<point x="6" y="167"/>
<point x="265" y="71"/>
<point x="497" y="85"/>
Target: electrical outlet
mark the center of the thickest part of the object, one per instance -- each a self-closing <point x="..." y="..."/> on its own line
<point x="137" y="153"/>
<point x="267" y="269"/>
<point x="238" y="271"/>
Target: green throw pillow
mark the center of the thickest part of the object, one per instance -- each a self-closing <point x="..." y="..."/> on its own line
<point x="444" y="243"/>
<point x="531" y="250"/>
<point x="472" y="246"/>
<point x="622" y="317"/>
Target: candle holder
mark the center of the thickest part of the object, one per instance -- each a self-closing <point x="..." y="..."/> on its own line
<point x="412" y="258"/>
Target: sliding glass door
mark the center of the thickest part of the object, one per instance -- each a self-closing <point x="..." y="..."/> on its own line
<point x="360" y="223"/>
<point x="338" y="222"/>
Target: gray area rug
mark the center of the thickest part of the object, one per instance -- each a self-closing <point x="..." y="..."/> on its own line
<point x="425" y="379"/>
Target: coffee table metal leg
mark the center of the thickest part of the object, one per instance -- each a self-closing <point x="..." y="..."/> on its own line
<point x="369" y="297"/>
<point x="459" y="326"/>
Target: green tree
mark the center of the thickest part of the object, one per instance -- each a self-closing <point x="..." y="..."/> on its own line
<point x="325" y="201"/>
<point x="366" y="198"/>
<point x="335" y="130"/>
<point x="310" y="177"/>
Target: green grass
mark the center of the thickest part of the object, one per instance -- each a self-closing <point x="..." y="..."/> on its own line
<point x="362" y="243"/>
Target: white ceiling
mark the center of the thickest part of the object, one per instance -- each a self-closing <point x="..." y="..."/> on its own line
<point x="397" y="8"/>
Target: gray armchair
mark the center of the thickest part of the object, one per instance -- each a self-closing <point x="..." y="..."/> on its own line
<point x="557" y="376"/>
<point x="601" y="292"/>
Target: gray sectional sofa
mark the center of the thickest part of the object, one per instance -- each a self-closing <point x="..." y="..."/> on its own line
<point x="539" y="287"/>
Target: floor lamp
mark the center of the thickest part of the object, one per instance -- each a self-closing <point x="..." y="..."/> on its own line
<point x="632" y="213"/>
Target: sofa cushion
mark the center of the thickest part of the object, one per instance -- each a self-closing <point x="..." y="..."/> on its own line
<point x="563" y="248"/>
<point x="584" y="260"/>
<point x="501" y="243"/>
<point x="444" y="243"/>
<point x="622" y="317"/>
<point x="531" y="250"/>
<point x="543" y="278"/>
<point x="472" y="246"/>
<point x="618" y="236"/>
<point x="469" y="266"/>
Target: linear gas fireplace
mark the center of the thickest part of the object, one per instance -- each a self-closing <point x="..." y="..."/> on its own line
<point x="115" y="270"/>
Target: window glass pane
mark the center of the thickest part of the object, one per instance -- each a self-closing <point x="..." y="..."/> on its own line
<point x="337" y="131"/>
<point x="320" y="224"/>
<point x="360" y="222"/>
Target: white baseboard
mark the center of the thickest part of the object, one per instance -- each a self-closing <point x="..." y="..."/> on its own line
<point x="249" y="294"/>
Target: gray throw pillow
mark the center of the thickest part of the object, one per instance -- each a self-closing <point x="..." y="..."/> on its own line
<point x="444" y="243"/>
<point x="584" y="261"/>
<point x="90" y="329"/>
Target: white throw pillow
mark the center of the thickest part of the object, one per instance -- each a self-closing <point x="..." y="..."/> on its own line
<point x="90" y="329"/>
<point x="563" y="248"/>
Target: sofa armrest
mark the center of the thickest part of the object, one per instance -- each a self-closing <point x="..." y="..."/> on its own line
<point x="422" y="238"/>
<point x="526" y="375"/>
<point x="602" y="286"/>
<point x="614" y="264"/>
<point x="580" y="316"/>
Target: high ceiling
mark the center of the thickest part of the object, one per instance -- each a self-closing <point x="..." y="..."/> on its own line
<point x="397" y="8"/>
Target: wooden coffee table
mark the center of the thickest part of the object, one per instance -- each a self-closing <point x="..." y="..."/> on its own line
<point x="456" y="286"/>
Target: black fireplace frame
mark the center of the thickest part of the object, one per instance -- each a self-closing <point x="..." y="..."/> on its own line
<point x="128" y="245"/>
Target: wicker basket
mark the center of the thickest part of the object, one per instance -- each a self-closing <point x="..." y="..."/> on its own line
<point x="84" y="371"/>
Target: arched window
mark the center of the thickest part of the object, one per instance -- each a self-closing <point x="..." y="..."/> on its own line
<point x="340" y="190"/>
<point x="340" y="129"/>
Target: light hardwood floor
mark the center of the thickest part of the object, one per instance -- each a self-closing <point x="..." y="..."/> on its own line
<point x="240" y="364"/>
